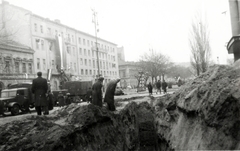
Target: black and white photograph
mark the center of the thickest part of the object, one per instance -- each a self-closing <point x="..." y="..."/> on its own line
<point x="119" y="75"/>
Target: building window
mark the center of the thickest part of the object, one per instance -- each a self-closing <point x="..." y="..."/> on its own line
<point x="41" y="28"/>
<point x="90" y="72"/>
<point x="89" y="62"/>
<point x="72" y="38"/>
<point x="85" y="62"/>
<point x="35" y="27"/>
<point x="38" y="64"/>
<point x="75" y="67"/>
<point x="86" y="72"/>
<point x="16" y="67"/>
<point x="50" y="45"/>
<point x="94" y="72"/>
<point x="93" y="63"/>
<point x="37" y="43"/>
<point x="91" y="43"/>
<point x="85" y="52"/>
<point x="84" y="42"/>
<point x="103" y="65"/>
<point x="24" y="69"/>
<point x="44" y="64"/>
<point x="79" y="40"/>
<point x="81" y="61"/>
<point x="29" y="67"/>
<point x="42" y="44"/>
<point x="69" y="49"/>
<point x="49" y="31"/>
<point x="92" y="53"/>
<point x="80" y="51"/>
<point x="82" y="72"/>
<point x="89" y="53"/>
<point x="88" y="43"/>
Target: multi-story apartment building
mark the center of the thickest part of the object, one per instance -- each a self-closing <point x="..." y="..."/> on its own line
<point x="54" y="45"/>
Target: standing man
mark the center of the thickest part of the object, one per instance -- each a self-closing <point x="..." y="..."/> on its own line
<point x="164" y="86"/>
<point x="39" y="88"/>
<point x="150" y="88"/>
<point x="109" y="95"/>
<point x="158" y="85"/>
<point x="97" y="92"/>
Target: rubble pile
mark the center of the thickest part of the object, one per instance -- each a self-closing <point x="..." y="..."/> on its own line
<point x="204" y="114"/>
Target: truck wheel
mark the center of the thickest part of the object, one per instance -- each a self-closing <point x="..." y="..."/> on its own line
<point x="15" y="110"/>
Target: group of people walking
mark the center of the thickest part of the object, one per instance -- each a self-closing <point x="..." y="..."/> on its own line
<point x="159" y="85"/>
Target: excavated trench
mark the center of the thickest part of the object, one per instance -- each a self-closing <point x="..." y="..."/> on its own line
<point x="202" y="115"/>
<point x="87" y="127"/>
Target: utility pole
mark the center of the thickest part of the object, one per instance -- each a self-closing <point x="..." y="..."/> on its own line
<point x="94" y="20"/>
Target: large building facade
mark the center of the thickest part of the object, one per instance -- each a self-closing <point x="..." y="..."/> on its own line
<point x="54" y="46"/>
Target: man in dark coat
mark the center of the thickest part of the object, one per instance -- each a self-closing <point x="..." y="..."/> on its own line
<point x="39" y="89"/>
<point x="158" y="85"/>
<point x="97" y="92"/>
<point x="109" y="95"/>
<point x="150" y="88"/>
<point x="164" y="86"/>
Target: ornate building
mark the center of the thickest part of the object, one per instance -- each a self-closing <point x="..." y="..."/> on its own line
<point x="52" y="45"/>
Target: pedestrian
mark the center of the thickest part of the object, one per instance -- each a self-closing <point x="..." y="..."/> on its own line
<point x="109" y="94"/>
<point x="2" y="108"/>
<point x="39" y="89"/>
<point x="150" y="88"/>
<point x="158" y="85"/>
<point x="97" y="92"/>
<point x="164" y="86"/>
<point x="89" y="95"/>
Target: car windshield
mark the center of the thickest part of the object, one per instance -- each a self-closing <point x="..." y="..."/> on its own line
<point x="5" y="94"/>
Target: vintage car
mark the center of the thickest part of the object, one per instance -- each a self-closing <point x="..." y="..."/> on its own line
<point x="15" y="99"/>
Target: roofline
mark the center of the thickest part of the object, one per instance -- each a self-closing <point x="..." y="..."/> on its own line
<point x="46" y="19"/>
<point x="56" y="22"/>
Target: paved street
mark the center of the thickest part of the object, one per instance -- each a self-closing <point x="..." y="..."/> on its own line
<point x="128" y="94"/>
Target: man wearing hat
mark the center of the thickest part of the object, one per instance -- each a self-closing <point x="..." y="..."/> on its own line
<point x="109" y="95"/>
<point x="97" y="92"/>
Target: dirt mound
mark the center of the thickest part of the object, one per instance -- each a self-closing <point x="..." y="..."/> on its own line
<point x="85" y="127"/>
<point x="204" y="113"/>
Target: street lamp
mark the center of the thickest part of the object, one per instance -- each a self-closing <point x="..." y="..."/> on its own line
<point x="96" y="30"/>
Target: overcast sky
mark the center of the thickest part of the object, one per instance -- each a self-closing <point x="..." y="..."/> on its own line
<point x="140" y="25"/>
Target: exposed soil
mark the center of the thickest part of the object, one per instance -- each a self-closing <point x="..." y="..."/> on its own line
<point x="203" y="115"/>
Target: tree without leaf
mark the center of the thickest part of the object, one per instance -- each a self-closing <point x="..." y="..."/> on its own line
<point x="199" y="45"/>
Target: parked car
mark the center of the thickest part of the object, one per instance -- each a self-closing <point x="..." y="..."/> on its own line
<point x="15" y="99"/>
<point x="119" y="91"/>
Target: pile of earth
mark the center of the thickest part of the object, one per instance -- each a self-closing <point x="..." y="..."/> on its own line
<point x="204" y="114"/>
<point x="84" y="127"/>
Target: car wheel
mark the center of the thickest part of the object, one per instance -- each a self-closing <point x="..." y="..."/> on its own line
<point x="15" y="110"/>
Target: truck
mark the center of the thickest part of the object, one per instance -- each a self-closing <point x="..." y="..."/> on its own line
<point x="18" y="97"/>
<point x="74" y="90"/>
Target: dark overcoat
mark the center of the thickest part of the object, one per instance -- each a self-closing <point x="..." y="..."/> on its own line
<point x="150" y="88"/>
<point x="39" y="88"/>
<point x="109" y="94"/>
<point x="97" y="93"/>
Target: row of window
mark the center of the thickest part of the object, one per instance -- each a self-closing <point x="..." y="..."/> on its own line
<point x="102" y="64"/>
<point x="94" y="72"/>
<point x="17" y="67"/>
<point x="73" y="66"/>
<point x="70" y="38"/>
